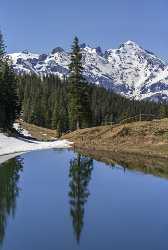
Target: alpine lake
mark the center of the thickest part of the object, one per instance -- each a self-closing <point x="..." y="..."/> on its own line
<point x="66" y="200"/>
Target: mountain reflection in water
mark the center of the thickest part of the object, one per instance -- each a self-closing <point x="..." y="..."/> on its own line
<point x="74" y="197"/>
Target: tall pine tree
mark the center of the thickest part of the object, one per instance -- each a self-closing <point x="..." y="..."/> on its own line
<point x="2" y="46"/>
<point x="9" y="104"/>
<point x="78" y="91"/>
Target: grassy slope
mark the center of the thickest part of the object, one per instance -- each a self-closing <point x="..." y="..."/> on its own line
<point x="141" y="138"/>
<point x="40" y="133"/>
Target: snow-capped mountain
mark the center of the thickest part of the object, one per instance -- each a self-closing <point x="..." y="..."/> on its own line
<point x="129" y="70"/>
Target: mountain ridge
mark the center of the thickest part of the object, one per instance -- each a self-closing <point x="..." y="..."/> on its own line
<point x="128" y="70"/>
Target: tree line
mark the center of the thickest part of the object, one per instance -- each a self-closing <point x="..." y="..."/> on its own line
<point x="45" y="103"/>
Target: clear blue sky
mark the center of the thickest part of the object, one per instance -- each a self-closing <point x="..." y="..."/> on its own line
<point x="41" y="25"/>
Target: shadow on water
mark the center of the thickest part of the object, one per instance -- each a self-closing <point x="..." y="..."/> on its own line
<point x="80" y="175"/>
<point x="9" y="190"/>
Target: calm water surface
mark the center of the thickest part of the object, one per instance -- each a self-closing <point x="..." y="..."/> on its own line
<point x="60" y="200"/>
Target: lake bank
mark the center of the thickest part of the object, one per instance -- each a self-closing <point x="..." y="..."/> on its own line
<point x="157" y="166"/>
<point x="146" y="138"/>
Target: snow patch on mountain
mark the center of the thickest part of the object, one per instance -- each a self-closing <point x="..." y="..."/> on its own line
<point x="129" y="70"/>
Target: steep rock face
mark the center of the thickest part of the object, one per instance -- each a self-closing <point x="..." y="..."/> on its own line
<point x="129" y="70"/>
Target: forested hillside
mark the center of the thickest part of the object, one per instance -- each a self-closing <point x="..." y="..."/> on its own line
<point x="45" y="103"/>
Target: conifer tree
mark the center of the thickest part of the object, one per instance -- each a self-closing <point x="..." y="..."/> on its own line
<point x="9" y="104"/>
<point x="2" y="46"/>
<point x="2" y="86"/>
<point x="78" y="96"/>
<point x="163" y="111"/>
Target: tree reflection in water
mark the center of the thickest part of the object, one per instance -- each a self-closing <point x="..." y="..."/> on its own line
<point x="80" y="174"/>
<point x="9" y="190"/>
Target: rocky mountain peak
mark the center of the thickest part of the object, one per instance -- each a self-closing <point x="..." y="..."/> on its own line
<point x="129" y="70"/>
<point x="57" y="50"/>
<point x="99" y="51"/>
<point x="25" y="52"/>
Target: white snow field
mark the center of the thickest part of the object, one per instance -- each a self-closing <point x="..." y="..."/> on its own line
<point x="11" y="145"/>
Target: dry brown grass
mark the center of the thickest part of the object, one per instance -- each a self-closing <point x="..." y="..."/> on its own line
<point x="40" y="133"/>
<point x="145" y="138"/>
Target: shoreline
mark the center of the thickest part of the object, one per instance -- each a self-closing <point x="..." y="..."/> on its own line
<point x="13" y="145"/>
<point x="136" y="151"/>
<point x="148" y="164"/>
<point x="144" y="138"/>
<point x="4" y="158"/>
